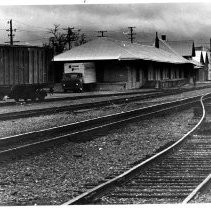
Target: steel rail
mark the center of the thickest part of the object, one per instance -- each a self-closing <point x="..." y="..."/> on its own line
<point x="167" y="92"/>
<point x="90" y="194"/>
<point x="43" y="143"/>
<point x="202" y="184"/>
<point x="46" y="111"/>
<point x="197" y="189"/>
<point x="98" y="95"/>
<point x="85" y="126"/>
<point x="57" y="109"/>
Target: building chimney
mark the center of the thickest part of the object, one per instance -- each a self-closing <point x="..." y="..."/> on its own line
<point x="156" y="41"/>
<point x="163" y="37"/>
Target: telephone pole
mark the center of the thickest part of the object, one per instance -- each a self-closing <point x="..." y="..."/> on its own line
<point x="102" y="33"/>
<point x="70" y="35"/>
<point x="210" y="49"/>
<point x="209" y="61"/>
<point x="11" y="35"/>
<point x="131" y="34"/>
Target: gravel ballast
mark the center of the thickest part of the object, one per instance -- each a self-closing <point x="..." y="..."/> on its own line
<point x="31" y="106"/>
<point x="204" y="196"/>
<point x="13" y="127"/>
<point x="56" y="175"/>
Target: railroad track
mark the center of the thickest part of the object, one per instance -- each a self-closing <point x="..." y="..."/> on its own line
<point x="39" y="140"/>
<point x="73" y="107"/>
<point x="100" y="95"/>
<point x="173" y="175"/>
<point x="167" y="92"/>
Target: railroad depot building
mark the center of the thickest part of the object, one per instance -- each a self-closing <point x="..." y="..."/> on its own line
<point x="121" y="65"/>
<point x="202" y="58"/>
<point x="187" y="50"/>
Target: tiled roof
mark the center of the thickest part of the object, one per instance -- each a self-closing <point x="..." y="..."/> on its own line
<point x="99" y="49"/>
<point x="151" y="53"/>
<point x="109" y="49"/>
<point x="184" y="48"/>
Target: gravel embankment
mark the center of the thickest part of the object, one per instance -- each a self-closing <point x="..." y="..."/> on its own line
<point x="53" y="177"/>
<point x="56" y="175"/>
<point x="42" y="122"/>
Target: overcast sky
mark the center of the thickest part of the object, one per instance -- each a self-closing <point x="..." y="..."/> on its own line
<point x="179" y="21"/>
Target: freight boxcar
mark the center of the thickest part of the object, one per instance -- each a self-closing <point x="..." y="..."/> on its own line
<point x="24" y="65"/>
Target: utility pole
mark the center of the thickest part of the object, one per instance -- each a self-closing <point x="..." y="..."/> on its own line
<point x="52" y="40"/>
<point x="102" y="33"/>
<point x="70" y="35"/>
<point x="11" y="35"/>
<point x="131" y="34"/>
<point x="210" y="51"/>
<point x="209" y="65"/>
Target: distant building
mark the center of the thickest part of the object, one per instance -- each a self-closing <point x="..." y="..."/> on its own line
<point x="187" y="50"/>
<point x="121" y="65"/>
<point x="202" y="57"/>
<point x="209" y="66"/>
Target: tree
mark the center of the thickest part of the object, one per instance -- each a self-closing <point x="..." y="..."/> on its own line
<point x="81" y="39"/>
<point x="57" y="40"/>
<point x="60" y="41"/>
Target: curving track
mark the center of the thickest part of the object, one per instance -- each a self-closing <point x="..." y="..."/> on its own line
<point x="78" y="106"/>
<point x="167" y="177"/>
<point x="38" y="140"/>
<point x="120" y="98"/>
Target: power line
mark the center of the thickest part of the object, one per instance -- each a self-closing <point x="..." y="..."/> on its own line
<point x="20" y="30"/>
<point x="30" y="25"/>
<point x="90" y="34"/>
<point x="34" y="39"/>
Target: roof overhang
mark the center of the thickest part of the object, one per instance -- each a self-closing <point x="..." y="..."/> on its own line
<point x="107" y="49"/>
